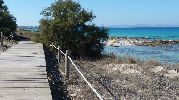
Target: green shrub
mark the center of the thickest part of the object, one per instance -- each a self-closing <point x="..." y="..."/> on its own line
<point x="68" y="25"/>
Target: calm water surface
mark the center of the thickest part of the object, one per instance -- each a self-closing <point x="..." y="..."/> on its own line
<point x="163" y="33"/>
<point x="159" y="53"/>
<point x="169" y="56"/>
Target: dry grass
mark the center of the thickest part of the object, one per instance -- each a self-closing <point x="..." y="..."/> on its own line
<point x="118" y="60"/>
<point x="125" y="78"/>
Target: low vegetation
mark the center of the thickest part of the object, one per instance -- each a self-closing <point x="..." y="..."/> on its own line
<point x="7" y="44"/>
<point x="33" y="36"/>
<point x="125" y="79"/>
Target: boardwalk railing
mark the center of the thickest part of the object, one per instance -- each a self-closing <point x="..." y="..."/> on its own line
<point x="5" y="42"/>
<point x="69" y="60"/>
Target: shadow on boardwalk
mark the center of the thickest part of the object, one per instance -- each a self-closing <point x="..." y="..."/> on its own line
<point x="55" y="78"/>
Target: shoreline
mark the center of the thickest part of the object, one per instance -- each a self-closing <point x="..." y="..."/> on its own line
<point x="137" y="41"/>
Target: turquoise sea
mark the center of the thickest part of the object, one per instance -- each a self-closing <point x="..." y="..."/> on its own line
<point x="159" y="53"/>
<point x="163" y="33"/>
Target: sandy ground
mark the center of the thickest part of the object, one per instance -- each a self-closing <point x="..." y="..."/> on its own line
<point x="115" y="79"/>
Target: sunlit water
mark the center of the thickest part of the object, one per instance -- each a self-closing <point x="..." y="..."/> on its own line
<point x="163" y="33"/>
<point x="169" y="56"/>
<point x="159" y="53"/>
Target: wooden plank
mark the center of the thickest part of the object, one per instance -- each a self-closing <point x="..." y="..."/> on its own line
<point x="23" y="73"/>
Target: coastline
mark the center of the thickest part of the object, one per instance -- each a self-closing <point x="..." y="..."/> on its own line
<point x="138" y="41"/>
<point x="163" y="51"/>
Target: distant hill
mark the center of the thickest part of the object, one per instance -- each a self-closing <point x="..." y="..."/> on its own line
<point x="141" y="25"/>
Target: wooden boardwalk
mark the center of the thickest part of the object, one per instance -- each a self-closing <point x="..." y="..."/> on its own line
<point x="23" y="73"/>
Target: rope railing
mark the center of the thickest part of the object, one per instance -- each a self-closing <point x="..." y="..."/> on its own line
<point x="62" y="52"/>
<point x="78" y="70"/>
<point x="88" y="83"/>
<point x="54" y="46"/>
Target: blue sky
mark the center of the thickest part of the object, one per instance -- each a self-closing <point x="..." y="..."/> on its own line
<point x="108" y="12"/>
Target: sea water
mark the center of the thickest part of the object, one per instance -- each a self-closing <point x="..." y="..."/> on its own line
<point x="163" y="33"/>
<point x="159" y="53"/>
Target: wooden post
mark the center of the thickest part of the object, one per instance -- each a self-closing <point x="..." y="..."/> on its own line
<point x="59" y="55"/>
<point x="52" y="48"/>
<point x="1" y="39"/>
<point x="66" y="65"/>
